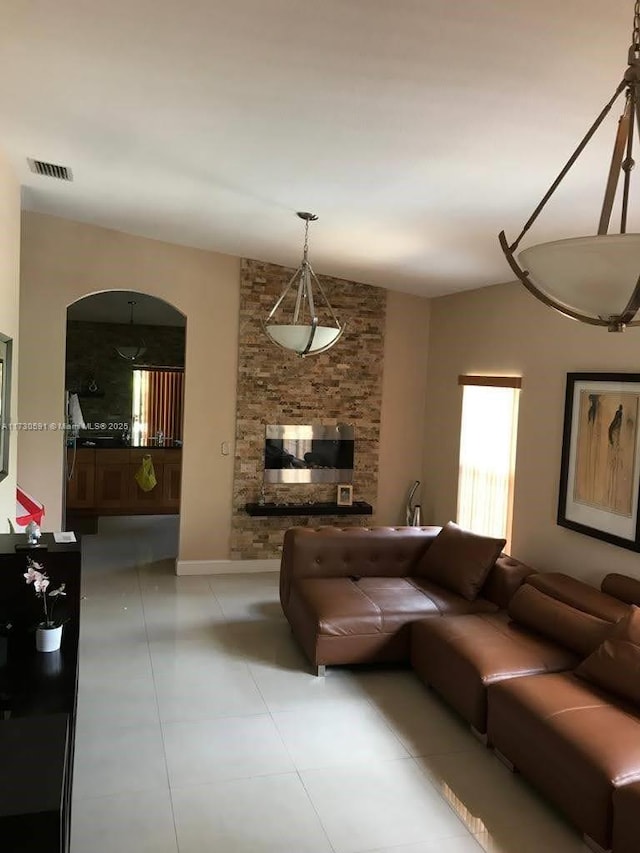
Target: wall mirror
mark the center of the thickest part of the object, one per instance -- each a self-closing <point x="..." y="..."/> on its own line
<point x="5" y="402"/>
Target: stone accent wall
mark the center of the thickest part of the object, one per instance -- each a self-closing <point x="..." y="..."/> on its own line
<point x="91" y="355"/>
<point x="342" y="385"/>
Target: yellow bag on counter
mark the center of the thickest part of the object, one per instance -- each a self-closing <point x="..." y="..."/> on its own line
<point x="145" y="475"/>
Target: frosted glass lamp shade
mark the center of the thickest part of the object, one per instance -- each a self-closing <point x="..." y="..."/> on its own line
<point x="131" y="353"/>
<point x="296" y="337"/>
<point x="298" y="302"/>
<point x="594" y="276"/>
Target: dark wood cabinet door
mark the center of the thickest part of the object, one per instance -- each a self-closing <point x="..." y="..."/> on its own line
<point x="171" y="485"/>
<point x="81" y="486"/>
<point x="139" y="500"/>
<point x="112" y="485"/>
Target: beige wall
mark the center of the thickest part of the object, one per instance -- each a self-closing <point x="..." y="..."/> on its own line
<point x="9" y="290"/>
<point x="504" y="330"/>
<point x="402" y="426"/>
<point x="63" y="261"/>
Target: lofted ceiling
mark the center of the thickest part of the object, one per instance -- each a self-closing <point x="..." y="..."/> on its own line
<point x="416" y="130"/>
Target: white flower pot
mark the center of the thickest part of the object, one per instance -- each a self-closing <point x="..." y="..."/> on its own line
<point x="48" y="639"/>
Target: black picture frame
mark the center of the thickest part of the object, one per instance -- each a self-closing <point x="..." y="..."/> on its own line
<point x="599" y="491"/>
<point x="6" y="352"/>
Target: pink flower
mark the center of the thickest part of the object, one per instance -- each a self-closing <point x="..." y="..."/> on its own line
<point x="36" y="576"/>
<point x="38" y="579"/>
<point x="41" y="582"/>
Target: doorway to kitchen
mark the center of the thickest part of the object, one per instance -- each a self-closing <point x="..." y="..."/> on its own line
<point x="124" y="404"/>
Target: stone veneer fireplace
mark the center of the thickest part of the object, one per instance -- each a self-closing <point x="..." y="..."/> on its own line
<point x="343" y="385"/>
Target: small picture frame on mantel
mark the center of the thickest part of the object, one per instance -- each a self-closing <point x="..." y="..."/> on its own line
<point x="345" y="495"/>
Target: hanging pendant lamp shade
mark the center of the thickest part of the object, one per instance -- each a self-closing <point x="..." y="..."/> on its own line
<point x="294" y="322"/>
<point x="593" y="279"/>
<point x="134" y="350"/>
<point x="593" y="275"/>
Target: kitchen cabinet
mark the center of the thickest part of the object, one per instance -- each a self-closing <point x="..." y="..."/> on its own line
<point x="146" y="502"/>
<point x="81" y="479"/>
<point x="103" y="482"/>
<point x="171" y="484"/>
<point x="111" y="478"/>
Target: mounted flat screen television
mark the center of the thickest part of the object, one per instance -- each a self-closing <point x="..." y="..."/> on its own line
<point x="309" y="454"/>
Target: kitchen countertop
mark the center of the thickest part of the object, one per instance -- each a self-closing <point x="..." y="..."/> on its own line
<point x="100" y="445"/>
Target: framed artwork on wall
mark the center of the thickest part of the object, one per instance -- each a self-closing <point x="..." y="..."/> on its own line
<point x="345" y="495"/>
<point x="600" y="469"/>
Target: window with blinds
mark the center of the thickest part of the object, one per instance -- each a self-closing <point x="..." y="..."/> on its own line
<point x="158" y="403"/>
<point x="488" y="453"/>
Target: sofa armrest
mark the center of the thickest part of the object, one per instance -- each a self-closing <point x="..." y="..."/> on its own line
<point x="622" y="587"/>
<point x="504" y="580"/>
<point x="333" y="552"/>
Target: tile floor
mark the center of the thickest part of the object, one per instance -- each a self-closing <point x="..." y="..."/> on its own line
<point x="200" y="728"/>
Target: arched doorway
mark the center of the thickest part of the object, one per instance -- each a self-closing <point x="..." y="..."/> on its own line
<point x="124" y="393"/>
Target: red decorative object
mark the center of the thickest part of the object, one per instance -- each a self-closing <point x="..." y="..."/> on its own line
<point x="27" y="509"/>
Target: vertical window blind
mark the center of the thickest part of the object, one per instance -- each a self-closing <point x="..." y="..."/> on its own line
<point x="487" y="454"/>
<point x="158" y="403"/>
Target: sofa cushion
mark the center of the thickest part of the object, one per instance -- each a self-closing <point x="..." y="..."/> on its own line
<point x="581" y="632"/>
<point x="615" y="664"/>
<point x="460" y="560"/>
<point x="579" y="594"/>
<point x="342" y="606"/>
<point x="569" y="740"/>
<point x="450" y="603"/>
<point x="461" y="655"/>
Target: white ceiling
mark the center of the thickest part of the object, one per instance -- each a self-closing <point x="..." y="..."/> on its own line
<point x="415" y="129"/>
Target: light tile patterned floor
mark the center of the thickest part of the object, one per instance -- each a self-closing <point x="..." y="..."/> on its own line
<point x="201" y="728"/>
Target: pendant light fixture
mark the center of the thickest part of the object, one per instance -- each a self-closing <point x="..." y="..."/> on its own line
<point x="593" y="279"/>
<point x="294" y="323"/>
<point x="132" y="351"/>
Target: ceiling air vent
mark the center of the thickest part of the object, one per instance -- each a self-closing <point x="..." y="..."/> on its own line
<point x="39" y="167"/>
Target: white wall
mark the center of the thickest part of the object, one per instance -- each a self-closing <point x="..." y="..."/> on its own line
<point x="63" y="261"/>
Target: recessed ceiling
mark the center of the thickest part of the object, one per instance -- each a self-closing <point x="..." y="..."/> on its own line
<point x="416" y="130"/>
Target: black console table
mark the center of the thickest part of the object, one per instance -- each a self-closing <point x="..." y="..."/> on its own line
<point x="38" y="692"/>
<point x="273" y="509"/>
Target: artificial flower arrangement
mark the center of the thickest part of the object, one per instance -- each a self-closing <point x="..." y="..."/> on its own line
<point x="35" y="574"/>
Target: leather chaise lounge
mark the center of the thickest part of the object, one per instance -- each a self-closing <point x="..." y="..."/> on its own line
<point x="551" y="623"/>
<point x="515" y="677"/>
<point x="350" y="595"/>
<point x="543" y="666"/>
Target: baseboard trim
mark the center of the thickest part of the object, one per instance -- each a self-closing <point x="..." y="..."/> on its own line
<point x="225" y="567"/>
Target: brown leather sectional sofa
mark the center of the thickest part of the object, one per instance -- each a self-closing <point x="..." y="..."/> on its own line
<point x="351" y="595"/>
<point x="545" y="668"/>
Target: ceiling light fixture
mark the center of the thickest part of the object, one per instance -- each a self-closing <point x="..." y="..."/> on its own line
<point x="303" y="333"/>
<point x="593" y="279"/>
<point x="133" y="351"/>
